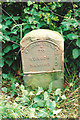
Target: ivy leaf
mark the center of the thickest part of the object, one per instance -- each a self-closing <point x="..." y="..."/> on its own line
<point x="45" y="9"/>
<point x="76" y="53"/>
<point x="57" y="111"/>
<point x="8" y="22"/>
<point x="7" y="38"/>
<point x="66" y="25"/>
<point x="14" y="32"/>
<point x="26" y="11"/>
<point x="72" y="36"/>
<point x="4" y="27"/>
<point x="13" y="86"/>
<point x="31" y="19"/>
<point x="27" y="26"/>
<point x="22" y="87"/>
<point x="51" y="104"/>
<point x="29" y="3"/>
<point x="40" y="90"/>
<point x="42" y="113"/>
<point x="46" y="96"/>
<point x="40" y="24"/>
<point x="1" y="62"/>
<point x="16" y="18"/>
<point x="4" y="89"/>
<point x="15" y="46"/>
<point x="4" y="76"/>
<point x="36" y="99"/>
<point x="9" y="62"/>
<point x="39" y="102"/>
<point x="78" y="43"/>
<point x="58" y="92"/>
<point x="7" y="49"/>
<point x="12" y="93"/>
<point x="63" y="97"/>
<point x="32" y="113"/>
<point x="50" y="87"/>
<point x="31" y="93"/>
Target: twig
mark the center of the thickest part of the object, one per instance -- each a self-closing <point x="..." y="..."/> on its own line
<point x="73" y="92"/>
<point x="73" y="8"/>
<point x="69" y="97"/>
<point x="8" y="15"/>
<point x="54" y="12"/>
<point x="67" y="70"/>
<point x="10" y="40"/>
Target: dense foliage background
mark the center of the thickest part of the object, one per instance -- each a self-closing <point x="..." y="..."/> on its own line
<point x="19" y="18"/>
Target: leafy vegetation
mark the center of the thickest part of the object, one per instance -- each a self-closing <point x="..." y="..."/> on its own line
<point x="38" y="103"/>
<point x="31" y="104"/>
<point x="19" y="19"/>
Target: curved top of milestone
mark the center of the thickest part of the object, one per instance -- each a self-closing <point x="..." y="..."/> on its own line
<point x="43" y="34"/>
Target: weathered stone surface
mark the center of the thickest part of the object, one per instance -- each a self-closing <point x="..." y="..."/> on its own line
<point x="42" y="56"/>
<point x="43" y="50"/>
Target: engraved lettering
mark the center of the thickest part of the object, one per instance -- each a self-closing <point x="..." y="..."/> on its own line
<point x="42" y="56"/>
<point x="39" y="65"/>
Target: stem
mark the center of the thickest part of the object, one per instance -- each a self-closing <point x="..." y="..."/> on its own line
<point x="67" y="69"/>
<point x="9" y="40"/>
<point x="20" y="32"/>
<point x="8" y="15"/>
<point x="54" y="12"/>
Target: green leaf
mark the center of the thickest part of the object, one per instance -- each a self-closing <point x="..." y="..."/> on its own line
<point x="4" y="27"/>
<point x="4" y="89"/>
<point x="8" y="22"/>
<point x="31" y="93"/>
<point x="7" y="38"/>
<point x="4" y="76"/>
<point x="15" y="46"/>
<point x="72" y="36"/>
<point x="1" y="62"/>
<point x="66" y="25"/>
<point x="31" y="19"/>
<point x="26" y="11"/>
<point x="13" y="86"/>
<point x="32" y="113"/>
<point x="29" y="3"/>
<point x="46" y="96"/>
<point x="7" y="49"/>
<point x="63" y="97"/>
<point x="51" y="104"/>
<point x="58" y="92"/>
<point x="50" y="87"/>
<point x="22" y="87"/>
<point x="76" y="53"/>
<point x="12" y="93"/>
<point x="14" y="32"/>
<point x="16" y="18"/>
<point x="39" y="102"/>
<point x="40" y="90"/>
<point x="78" y="43"/>
<point x="57" y="111"/>
<point x="40" y="24"/>
<point x="9" y="62"/>
<point x="36" y="99"/>
<point x="25" y="27"/>
<point x="45" y="9"/>
<point x="42" y="113"/>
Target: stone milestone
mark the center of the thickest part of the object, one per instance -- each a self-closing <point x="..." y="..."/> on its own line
<point x="43" y="58"/>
